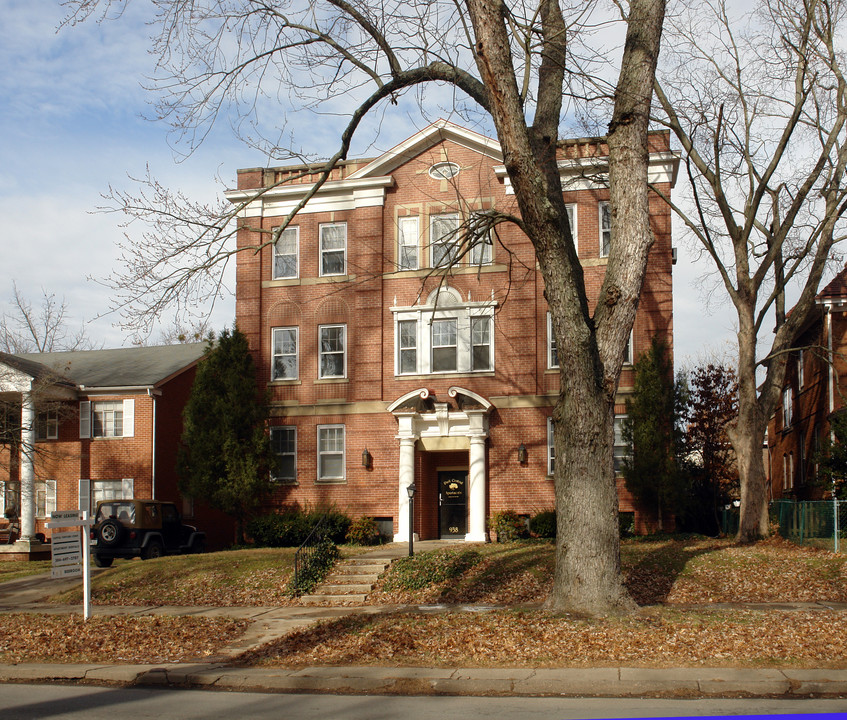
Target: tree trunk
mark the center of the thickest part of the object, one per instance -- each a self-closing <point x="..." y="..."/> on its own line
<point x="747" y="435"/>
<point x="587" y="578"/>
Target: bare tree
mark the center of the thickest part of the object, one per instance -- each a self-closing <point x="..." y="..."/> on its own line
<point x="39" y="329"/>
<point x="759" y="105"/>
<point x="516" y="62"/>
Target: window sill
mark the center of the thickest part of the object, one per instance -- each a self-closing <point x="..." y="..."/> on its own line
<point x="448" y="374"/>
<point x="283" y="383"/>
<point x="342" y="481"/>
<point x="331" y="381"/>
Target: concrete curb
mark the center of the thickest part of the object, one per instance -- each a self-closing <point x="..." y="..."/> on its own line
<point x="575" y="682"/>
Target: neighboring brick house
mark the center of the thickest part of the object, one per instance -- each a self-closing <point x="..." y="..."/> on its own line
<point x="815" y="387"/>
<point x="393" y="354"/>
<point x="103" y="424"/>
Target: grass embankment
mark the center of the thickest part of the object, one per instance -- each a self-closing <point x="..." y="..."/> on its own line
<point x="662" y="575"/>
<point x="15" y="569"/>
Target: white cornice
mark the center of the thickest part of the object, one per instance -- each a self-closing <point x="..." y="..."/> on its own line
<point x="347" y="194"/>
<point x="592" y="172"/>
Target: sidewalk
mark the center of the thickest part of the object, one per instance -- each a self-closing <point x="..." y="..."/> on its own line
<point x="268" y="623"/>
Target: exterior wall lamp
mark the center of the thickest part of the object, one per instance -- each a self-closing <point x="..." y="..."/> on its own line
<point x="522" y="454"/>
<point x="367" y="459"/>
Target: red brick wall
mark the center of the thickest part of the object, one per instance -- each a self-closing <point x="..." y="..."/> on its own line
<point x="363" y="300"/>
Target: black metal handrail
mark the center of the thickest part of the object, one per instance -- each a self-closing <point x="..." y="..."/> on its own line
<point x="307" y="549"/>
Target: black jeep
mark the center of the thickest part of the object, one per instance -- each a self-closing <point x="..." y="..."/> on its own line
<point x="141" y="528"/>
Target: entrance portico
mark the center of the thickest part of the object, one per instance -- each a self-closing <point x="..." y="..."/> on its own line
<point x="460" y="422"/>
<point x="28" y="383"/>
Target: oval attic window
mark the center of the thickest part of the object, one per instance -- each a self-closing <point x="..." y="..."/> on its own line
<point x="444" y="170"/>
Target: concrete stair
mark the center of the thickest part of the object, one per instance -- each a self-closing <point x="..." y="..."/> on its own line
<point x="350" y="582"/>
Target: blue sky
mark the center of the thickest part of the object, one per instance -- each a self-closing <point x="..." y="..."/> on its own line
<point x="72" y="123"/>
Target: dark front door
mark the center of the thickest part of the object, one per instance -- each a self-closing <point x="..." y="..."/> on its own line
<point x="453" y="502"/>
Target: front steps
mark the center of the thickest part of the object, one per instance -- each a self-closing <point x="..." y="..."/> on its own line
<point x="350" y="582"/>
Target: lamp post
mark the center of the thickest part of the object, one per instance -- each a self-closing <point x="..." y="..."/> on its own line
<point x="410" y="489"/>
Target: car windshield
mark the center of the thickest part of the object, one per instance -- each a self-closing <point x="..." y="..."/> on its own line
<point x="125" y="512"/>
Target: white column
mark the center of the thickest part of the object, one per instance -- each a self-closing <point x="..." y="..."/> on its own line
<point x="476" y="492"/>
<point x="27" y="467"/>
<point x="406" y="478"/>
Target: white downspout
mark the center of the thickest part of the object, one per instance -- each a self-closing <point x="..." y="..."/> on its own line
<point x="153" y="452"/>
<point x="835" y="529"/>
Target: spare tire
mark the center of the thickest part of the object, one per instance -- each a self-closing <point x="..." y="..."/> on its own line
<point x="111" y="532"/>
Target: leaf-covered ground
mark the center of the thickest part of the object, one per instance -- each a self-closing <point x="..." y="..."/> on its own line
<point x="664" y="576"/>
<point x="668" y="571"/>
<point x="114" y="640"/>
<point x="534" y="639"/>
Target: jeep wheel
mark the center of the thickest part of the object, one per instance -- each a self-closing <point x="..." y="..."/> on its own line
<point x="110" y="532"/>
<point x="199" y="546"/>
<point x="153" y="550"/>
<point x="100" y="561"/>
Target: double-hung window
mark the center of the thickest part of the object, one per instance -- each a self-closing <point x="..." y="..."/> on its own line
<point x="333" y="351"/>
<point x="284" y="446"/>
<point x="407" y="343"/>
<point x="408" y="233"/>
<point x="605" y="229"/>
<point x="621" y="448"/>
<point x="444" y="239"/>
<point x="285" y="356"/>
<point x="333" y="241"/>
<point x="552" y="351"/>
<point x="45" y="498"/>
<point x="330" y="453"/>
<point x="480" y="343"/>
<point x="47" y="425"/>
<point x="444" y="345"/>
<point x="106" y="419"/>
<point x="787" y="407"/>
<point x="481" y="243"/>
<point x="551" y="448"/>
<point x="286" y="254"/>
<point x="446" y="334"/>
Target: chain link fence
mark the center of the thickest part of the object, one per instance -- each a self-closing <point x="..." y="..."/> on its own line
<point x="817" y="523"/>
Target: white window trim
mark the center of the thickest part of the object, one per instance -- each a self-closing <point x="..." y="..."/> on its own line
<point x="320" y="453"/>
<point x="551" y="448"/>
<point x="572" y="218"/>
<point x="402" y="241"/>
<point x="321" y="249"/>
<point x="51" y="425"/>
<point x="86" y="419"/>
<point x="490" y="344"/>
<point x="602" y="245"/>
<point x="462" y="311"/>
<point x="787" y="407"/>
<point x="628" y="358"/>
<point x="801" y="374"/>
<point x="296" y="230"/>
<point x="397" y="363"/>
<point x="453" y="254"/>
<point x="343" y="327"/>
<point x="296" y="376"/>
<point x="280" y="479"/>
<point x="551" y="339"/>
<point x="49" y="489"/>
<point x="482" y="247"/>
<point x="618" y="423"/>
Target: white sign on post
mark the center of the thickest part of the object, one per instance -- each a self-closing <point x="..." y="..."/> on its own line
<point x="71" y="550"/>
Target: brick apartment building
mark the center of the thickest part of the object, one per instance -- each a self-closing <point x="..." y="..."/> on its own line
<point x="394" y="354"/>
<point x="102" y="424"/>
<point x="815" y="383"/>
